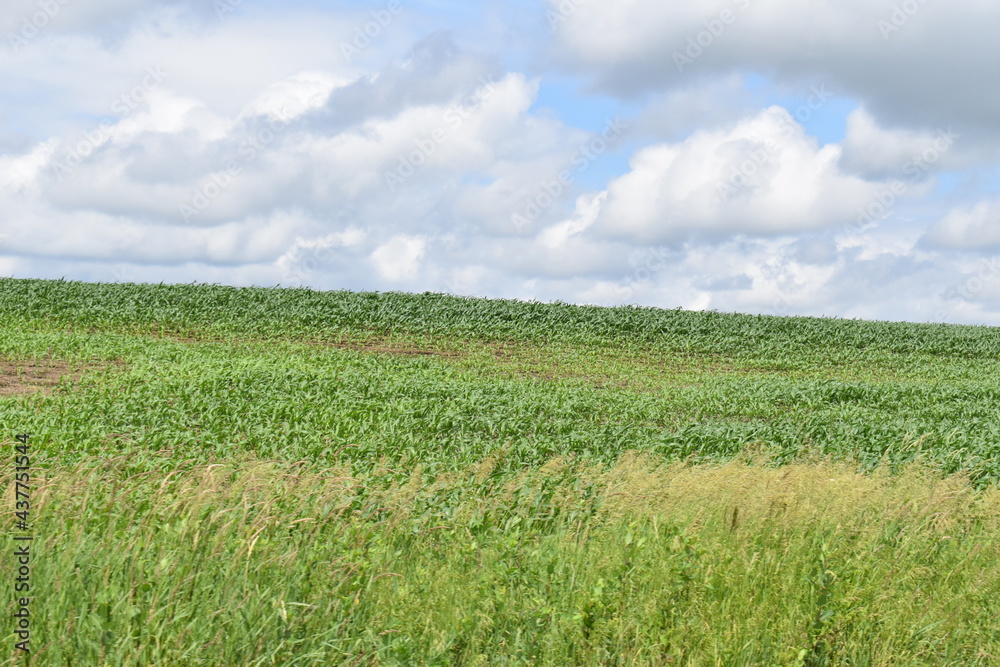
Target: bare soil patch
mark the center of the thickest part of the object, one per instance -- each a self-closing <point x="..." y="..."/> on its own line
<point x="30" y="377"/>
<point x="395" y="349"/>
<point x="373" y="345"/>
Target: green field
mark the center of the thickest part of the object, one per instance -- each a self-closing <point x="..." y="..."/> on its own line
<point x="254" y="476"/>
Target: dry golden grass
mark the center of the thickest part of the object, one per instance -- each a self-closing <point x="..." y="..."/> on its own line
<point x="641" y="562"/>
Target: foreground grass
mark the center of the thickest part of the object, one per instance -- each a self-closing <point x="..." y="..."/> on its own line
<point x="639" y="562"/>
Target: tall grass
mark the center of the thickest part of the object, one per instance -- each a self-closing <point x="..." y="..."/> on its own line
<point x="569" y="563"/>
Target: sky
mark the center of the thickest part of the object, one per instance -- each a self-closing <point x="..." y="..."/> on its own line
<point x="783" y="157"/>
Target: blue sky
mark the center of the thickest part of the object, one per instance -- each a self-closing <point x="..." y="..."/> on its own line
<point x="786" y="157"/>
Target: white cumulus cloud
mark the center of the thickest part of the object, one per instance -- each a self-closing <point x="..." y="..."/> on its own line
<point x="762" y="176"/>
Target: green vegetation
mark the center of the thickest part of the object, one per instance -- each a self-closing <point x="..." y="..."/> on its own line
<point x="263" y="476"/>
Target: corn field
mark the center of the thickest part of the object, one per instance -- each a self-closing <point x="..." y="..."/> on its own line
<point x="264" y="476"/>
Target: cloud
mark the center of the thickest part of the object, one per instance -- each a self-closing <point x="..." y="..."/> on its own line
<point x="762" y="176"/>
<point x="25" y="19"/>
<point x="398" y="260"/>
<point x="338" y="252"/>
<point x="676" y="113"/>
<point x="909" y="62"/>
<point x="434" y="71"/>
<point x="177" y="178"/>
<point x="295" y="95"/>
<point x="878" y="153"/>
<point x="975" y="227"/>
<point x="220" y="63"/>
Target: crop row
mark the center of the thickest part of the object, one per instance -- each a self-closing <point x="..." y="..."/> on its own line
<point x="306" y="314"/>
